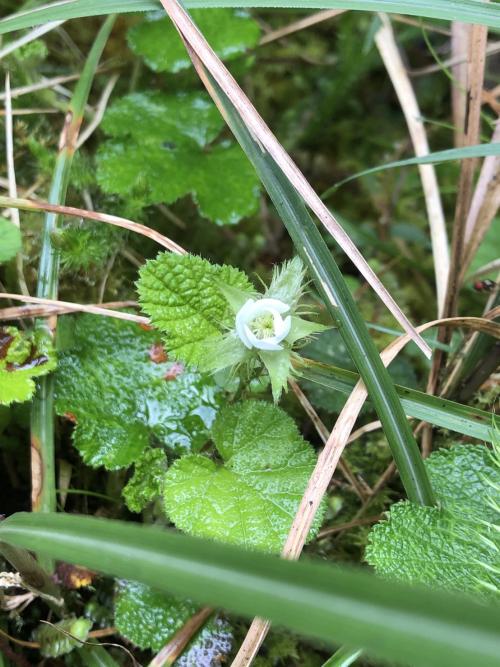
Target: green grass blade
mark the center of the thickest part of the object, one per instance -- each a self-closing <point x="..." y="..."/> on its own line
<point x="42" y="413"/>
<point x="479" y="150"/>
<point x="419" y="627"/>
<point x="468" y="11"/>
<point x="340" y="305"/>
<point x="456" y="417"/>
<point x="343" y="657"/>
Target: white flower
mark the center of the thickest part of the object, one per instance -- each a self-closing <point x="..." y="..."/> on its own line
<point x="259" y="324"/>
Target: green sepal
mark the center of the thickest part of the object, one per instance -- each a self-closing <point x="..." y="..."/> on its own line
<point x="279" y="366"/>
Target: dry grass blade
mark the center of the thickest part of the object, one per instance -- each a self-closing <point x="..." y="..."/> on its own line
<point x="324" y="469"/>
<point x="20" y="312"/>
<point x="475" y="77"/>
<point x="99" y="112"/>
<point x="40" y="85"/>
<point x="30" y="205"/>
<point x="459" y="42"/>
<point x="388" y="49"/>
<point x="484" y="206"/>
<point x="68" y="306"/>
<point x="11" y="176"/>
<point x="29" y="37"/>
<point x="306" y="22"/>
<point x="268" y="143"/>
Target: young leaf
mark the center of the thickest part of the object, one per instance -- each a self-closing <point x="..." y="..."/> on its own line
<point x="22" y="358"/>
<point x="147" y="481"/>
<point x="10" y="240"/>
<point x="115" y="383"/>
<point x="252" y="498"/>
<point x="159" y="152"/>
<point x="455" y="546"/>
<point x="183" y="299"/>
<point x="229" y="32"/>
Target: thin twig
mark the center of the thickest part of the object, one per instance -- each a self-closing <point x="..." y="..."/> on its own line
<point x="323" y="434"/>
<point x="306" y="22"/>
<point x="268" y="142"/>
<point x="11" y="175"/>
<point x="40" y="85"/>
<point x="171" y="651"/>
<point x="99" y="112"/>
<point x="459" y="42"/>
<point x="30" y="205"/>
<point x="393" y="62"/>
<point x="491" y="49"/>
<point x="331" y="530"/>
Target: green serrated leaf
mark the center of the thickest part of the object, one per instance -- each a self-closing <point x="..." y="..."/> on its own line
<point x="252" y="498"/>
<point x="182" y="297"/>
<point x="455" y="546"/>
<point x="123" y="395"/>
<point x="10" y="240"/>
<point x="22" y="358"/>
<point x="230" y="33"/>
<point x="159" y="152"/>
<point x="147" y="481"/>
<point x="55" y="640"/>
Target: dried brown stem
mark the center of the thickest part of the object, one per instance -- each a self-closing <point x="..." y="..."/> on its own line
<point x="171" y="651"/>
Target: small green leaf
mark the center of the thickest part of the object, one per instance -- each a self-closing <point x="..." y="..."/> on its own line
<point x="147" y="617"/>
<point x="55" y="640"/>
<point x="147" y="481"/>
<point x="252" y="498"/>
<point x="455" y="546"/>
<point x="229" y="33"/>
<point x="182" y="297"/>
<point x="22" y="358"/>
<point x="10" y="240"/>
<point x="123" y="394"/>
<point x="159" y="152"/>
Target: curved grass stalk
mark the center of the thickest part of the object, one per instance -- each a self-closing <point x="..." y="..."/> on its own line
<point x="43" y="495"/>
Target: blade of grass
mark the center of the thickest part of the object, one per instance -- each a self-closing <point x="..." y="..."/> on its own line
<point x="43" y="495"/>
<point x="450" y="415"/>
<point x="436" y="157"/>
<point x="267" y="142"/>
<point x="422" y="627"/>
<point x="343" y="657"/>
<point x="30" y="37"/>
<point x="389" y="52"/>
<point x="468" y="11"/>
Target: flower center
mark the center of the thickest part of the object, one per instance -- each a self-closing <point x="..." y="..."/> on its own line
<point x="263" y="326"/>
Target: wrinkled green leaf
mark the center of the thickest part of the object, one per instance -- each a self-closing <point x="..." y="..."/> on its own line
<point x="147" y="617"/>
<point x="455" y="546"/>
<point x="147" y="481"/>
<point x="55" y="640"/>
<point x="182" y="297"/>
<point x="252" y="498"/>
<point x="123" y="396"/>
<point x="22" y="358"/>
<point x="229" y="32"/>
<point x="10" y="240"/>
<point x="159" y="152"/>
